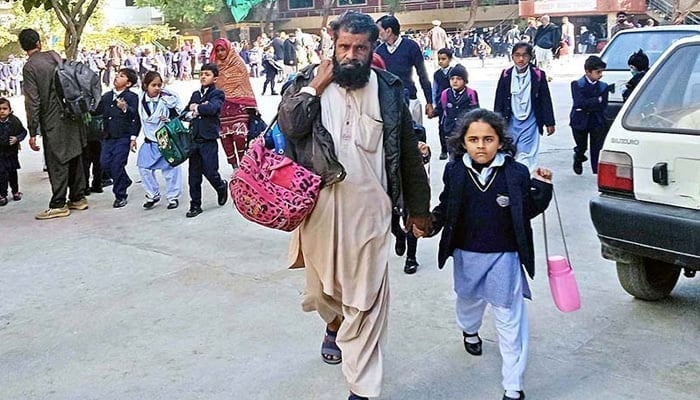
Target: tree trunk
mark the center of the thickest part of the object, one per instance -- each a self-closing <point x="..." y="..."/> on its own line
<point x="326" y="11"/>
<point x="473" y="8"/>
<point x="73" y="18"/>
<point x="220" y="25"/>
<point x="268" y="17"/>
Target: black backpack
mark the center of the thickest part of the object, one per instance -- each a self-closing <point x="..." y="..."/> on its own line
<point x="79" y="89"/>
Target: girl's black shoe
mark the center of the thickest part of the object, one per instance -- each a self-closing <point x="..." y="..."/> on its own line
<point x="522" y="396"/>
<point x="472" y="348"/>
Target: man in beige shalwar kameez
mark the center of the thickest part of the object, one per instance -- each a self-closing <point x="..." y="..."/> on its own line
<point x="348" y="123"/>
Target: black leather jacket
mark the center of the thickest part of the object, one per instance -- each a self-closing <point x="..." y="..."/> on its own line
<point x="311" y="145"/>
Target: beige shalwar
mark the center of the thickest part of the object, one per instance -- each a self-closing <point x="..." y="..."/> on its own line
<point x="344" y="244"/>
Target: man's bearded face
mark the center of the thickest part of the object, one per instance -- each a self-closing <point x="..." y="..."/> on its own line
<point x="352" y="60"/>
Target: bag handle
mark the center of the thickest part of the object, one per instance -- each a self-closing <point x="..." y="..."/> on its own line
<point x="561" y="228"/>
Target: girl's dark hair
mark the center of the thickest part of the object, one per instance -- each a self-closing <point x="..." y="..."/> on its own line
<point x="5" y="101"/>
<point x="498" y="123"/>
<point x="639" y="60"/>
<point x="524" y="45"/>
<point x="150" y="77"/>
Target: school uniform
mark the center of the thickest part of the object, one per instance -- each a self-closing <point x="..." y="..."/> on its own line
<point x="121" y="127"/>
<point x="204" y="155"/>
<point x="524" y="100"/>
<point x="456" y="105"/>
<point x="587" y="118"/>
<point x="441" y="82"/>
<point x="9" y="160"/>
<point x="485" y="220"/>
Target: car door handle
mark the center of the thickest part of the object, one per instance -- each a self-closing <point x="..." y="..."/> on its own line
<point x="660" y="173"/>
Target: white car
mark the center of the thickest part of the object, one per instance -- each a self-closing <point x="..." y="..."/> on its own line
<point x="648" y="212"/>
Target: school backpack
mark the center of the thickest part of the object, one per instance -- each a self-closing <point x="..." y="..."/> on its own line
<point x="78" y="88"/>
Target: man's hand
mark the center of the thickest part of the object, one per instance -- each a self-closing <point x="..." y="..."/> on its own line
<point x="420" y="226"/>
<point x="429" y="110"/>
<point x="550" y="130"/>
<point x="132" y="146"/>
<point x="32" y="144"/>
<point x="13" y="140"/>
<point x="323" y="77"/>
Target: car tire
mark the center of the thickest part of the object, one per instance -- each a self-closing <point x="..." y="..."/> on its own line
<point x="647" y="279"/>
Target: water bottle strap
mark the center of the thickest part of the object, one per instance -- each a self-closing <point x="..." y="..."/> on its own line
<point x="561" y="228"/>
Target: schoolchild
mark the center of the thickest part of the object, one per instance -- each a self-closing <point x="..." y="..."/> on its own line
<point x="457" y="100"/>
<point x="119" y="109"/>
<point x="484" y="213"/>
<point x="524" y="100"/>
<point x="441" y="81"/>
<point x="587" y="118"/>
<point x="156" y="107"/>
<point x="11" y="133"/>
<point x="639" y="65"/>
<point x="204" y="109"/>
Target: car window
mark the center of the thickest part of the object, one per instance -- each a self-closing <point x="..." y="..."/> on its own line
<point x="653" y="43"/>
<point x="669" y="100"/>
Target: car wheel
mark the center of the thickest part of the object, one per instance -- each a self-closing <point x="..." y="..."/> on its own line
<point x="647" y="279"/>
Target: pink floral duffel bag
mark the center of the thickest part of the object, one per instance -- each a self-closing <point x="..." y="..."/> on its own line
<point x="272" y="190"/>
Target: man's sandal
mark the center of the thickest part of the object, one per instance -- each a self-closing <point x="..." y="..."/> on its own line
<point x="330" y="353"/>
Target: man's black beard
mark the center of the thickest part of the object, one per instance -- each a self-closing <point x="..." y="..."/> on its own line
<point x="351" y="75"/>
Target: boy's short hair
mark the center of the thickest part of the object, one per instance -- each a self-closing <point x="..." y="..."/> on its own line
<point x="130" y="75"/>
<point x="594" y="63"/>
<point x="28" y="39"/>
<point x="446" y="52"/>
<point x="639" y="60"/>
<point x="211" y="67"/>
<point x="3" y="100"/>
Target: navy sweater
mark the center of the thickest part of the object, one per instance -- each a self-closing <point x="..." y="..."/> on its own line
<point x="117" y="123"/>
<point x="205" y="126"/>
<point x="401" y="63"/>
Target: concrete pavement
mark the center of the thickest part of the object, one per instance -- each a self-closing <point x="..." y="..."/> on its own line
<point x="135" y="304"/>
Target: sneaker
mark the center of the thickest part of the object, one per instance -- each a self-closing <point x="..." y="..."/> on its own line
<point x="173" y="204"/>
<point x="150" y="203"/>
<point x="119" y="203"/>
<point x="3" y="201"/>
<point x="107" y="182"/>
<point x="17" y="196"/>
<point x="81" y="204"/>
<point x="193" y="212"/>
<point x="223" y="193"/>
<point x="53" y="213"/>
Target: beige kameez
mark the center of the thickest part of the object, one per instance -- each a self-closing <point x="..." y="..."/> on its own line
<point x="345" y="242"/>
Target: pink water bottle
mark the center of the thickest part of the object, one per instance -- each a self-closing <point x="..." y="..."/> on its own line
<point x="562" y="281"/>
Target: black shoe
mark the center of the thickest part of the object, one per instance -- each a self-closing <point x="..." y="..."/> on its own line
<point x="400" y="246"/>
<point x="472" y="348"/>
<point x="173" y="204"/>
<point x="275" y="94"/>
<point x="353" y="396"/>
<point x="96" y="189"/>
<point x="194" y="211"/>
<point x="150" y="203"/>
<point x="107" y="182"/>
<point x="443" y="156"/>
<point x="522" y="396"/>
<point x="223" y="193"/>
<point x="119" y="203"/>
<point x="411" y="266"/>
<point x="87" y="192"/>
<point x="578" y="164"/>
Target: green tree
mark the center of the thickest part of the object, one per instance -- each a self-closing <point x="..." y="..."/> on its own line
<point x="196" y="13"/>
<point x="73" y="16"/>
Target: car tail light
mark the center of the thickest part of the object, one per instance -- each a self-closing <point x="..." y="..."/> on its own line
<point x="615" y="172"/>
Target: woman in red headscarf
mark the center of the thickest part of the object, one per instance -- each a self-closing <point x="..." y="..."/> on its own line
<point x="240" y="100"/>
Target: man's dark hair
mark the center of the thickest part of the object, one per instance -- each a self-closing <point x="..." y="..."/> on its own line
<point x="446" y="52"/>
<point x="130" y="75"/>
<point x="355" y="22"/>
<point x="389" y="21"/>
<point x="211" y="67"/>
<point x="639" y="60"/>
<point x="28" y="39"/>
<point x="621" y="13"/>
<point x="594" y="63"/>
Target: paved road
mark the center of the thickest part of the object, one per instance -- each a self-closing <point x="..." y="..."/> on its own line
<point x="134" y="304"/>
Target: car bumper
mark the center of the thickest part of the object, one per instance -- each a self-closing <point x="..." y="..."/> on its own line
<point x="630" y="227"/>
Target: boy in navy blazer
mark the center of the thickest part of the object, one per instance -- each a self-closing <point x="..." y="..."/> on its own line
<point x="119" y="109"/>
<point x="204" y="108"/>
<point x="590" y="98"/>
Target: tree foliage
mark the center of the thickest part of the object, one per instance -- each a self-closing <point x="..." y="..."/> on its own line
<point x="192" y="12"/>
<point x="73" y="16"/>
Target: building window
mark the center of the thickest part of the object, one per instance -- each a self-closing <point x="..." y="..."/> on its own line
<point x="130" y="3"/>
<point x="297" y="4"/>
<point x="343" y="3"/>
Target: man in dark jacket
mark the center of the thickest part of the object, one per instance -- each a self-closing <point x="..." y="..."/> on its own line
<point x="349" y="124"/>
<point x="546" y="41"/>
<point x="64" y="138"/>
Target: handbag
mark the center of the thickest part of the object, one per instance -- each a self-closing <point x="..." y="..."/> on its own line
<point x="272" y="190"/>
<point x="174" y="141"/>
<point x="562" y="282"/>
